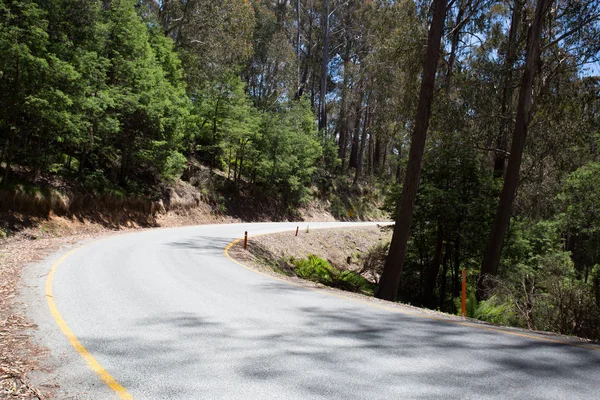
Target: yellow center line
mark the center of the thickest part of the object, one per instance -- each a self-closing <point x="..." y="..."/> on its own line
<point x="402" y="311"/>
<point x="92" y="362"/>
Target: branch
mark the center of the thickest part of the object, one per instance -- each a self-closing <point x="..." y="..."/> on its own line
<point x="572" y="31"/>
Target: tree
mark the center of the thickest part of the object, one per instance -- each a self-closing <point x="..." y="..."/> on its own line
<point x="390" y="279"/>
<point x="493" y="251"/>
<point x="31" y="100"/>
<point x="324" y="70"/>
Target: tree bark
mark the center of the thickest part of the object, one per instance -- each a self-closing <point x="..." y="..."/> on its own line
<point x="343" y="123"/>
<point x="361" y="151"/>
<point x="304" y="78"/>
<point x="399" y="166"/>
<point x="499" y="228"/>
<point x="507" y="91"/>
<point x="433" y="270"/>
<point x="298" y="31"/>
<point x="454" y="44"/>
<point x="9" y="154"/>
<point x="323" y="94"/>
<point x="443" y="286"/>
<point x="357" y="114"/>
<point x="377" y="154"/>
<point x="390" y="279"/>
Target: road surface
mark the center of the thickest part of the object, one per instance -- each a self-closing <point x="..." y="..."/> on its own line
<point x="168" y="316"/>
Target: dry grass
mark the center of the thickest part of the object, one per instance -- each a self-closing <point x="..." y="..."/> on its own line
<point x="341" y="247"/>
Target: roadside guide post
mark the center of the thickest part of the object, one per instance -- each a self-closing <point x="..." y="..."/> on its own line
<point x="245" y="240"/>
<point x="297" y="230"/>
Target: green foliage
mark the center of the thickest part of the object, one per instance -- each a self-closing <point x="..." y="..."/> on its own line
<point x="494" y="311"/>
<point x="316" y="269"/>
<point x="95" y="83"/>
<point x="290" y="149"/>
<point x="354" y="282"/>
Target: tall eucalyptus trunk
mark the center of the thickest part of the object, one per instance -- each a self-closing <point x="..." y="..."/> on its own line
<point x="390" y="278"/>
<point x="493" y="250"/>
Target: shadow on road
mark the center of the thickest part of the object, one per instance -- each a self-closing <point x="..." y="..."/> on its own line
<point x="342" y="352"/>
<point x="202" y="244"/>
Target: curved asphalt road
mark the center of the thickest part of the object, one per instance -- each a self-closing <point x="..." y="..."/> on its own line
<point x="170" y="317"/>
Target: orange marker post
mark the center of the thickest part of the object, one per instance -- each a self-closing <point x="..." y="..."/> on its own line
<point x="463" y="312"/>
<point x="245" y="240"/>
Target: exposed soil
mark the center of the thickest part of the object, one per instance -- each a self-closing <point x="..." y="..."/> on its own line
<point x="341" y="247"/>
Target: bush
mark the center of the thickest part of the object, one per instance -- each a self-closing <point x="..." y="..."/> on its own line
<point x="174" y="166"/>
<point x="315" y="269"/>
<point x="321" y="271"/>
<point x="494" y="311"/>
<point x="551" y="299"/>
<point x="353" y="282"/>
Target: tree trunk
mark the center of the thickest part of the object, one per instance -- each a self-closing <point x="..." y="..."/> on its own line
<point x="304" y="78"/>
<point x="213" y="155"/>
<point x="323" y="94"/>
<point x="454" y="45"/>
<point x="343" y="123"/>
<point x="9" y="154"/>
<point x="298" y="31"/>
<point x="399" y="166"/>
<point x="4" y="149"/>
<point x="357" y="114"/>
<point x="390" y="279"/>
<point x="377" y="155"/>
<point x="361" y="151"/>
<point x="433" y="270"/>
<point x="14" y="119"/>
<point x="507" y="91"/>
<point x="370" y="153"/>
<point x="457" y="274"/>
<point x="499" y="228"/>
<point x="444" y="278"/>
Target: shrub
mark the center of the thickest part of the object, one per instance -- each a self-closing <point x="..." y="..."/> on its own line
<point x="353" y="282"/>
<point x="551" y="299"/>
<point x="319" y="270"/>
<point x="315" y="269"/>
<point x="494" y="311"/>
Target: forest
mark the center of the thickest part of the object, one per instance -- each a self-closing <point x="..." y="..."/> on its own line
<point x="478" y="122"/>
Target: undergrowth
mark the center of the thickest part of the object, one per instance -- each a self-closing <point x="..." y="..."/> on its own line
<point x="318" y="270"/>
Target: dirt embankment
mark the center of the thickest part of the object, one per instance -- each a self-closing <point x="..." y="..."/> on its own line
<point x="344" y="248"/>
